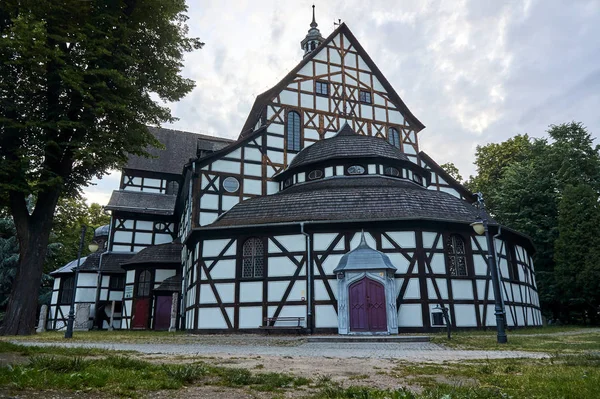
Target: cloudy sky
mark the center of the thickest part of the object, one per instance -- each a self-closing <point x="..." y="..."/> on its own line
<point x="473" y="72"/>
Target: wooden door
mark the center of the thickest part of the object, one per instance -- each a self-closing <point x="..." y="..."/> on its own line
<point x="141" y="313"/>
<point x="376" y="306"/>
<point x="162" y="317"/>
<point x="367" y="306"/>
<point x="358" y="306"/>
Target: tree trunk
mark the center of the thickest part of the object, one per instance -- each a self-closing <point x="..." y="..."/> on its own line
<point x="33" y="232"/>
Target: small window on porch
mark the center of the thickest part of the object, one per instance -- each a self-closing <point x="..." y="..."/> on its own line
<point x="144" y="283"/>
<point x="253" y="258"/>
<point x="457" y="259"/>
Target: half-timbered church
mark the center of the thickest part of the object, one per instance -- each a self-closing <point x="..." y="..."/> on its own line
<point x="323" y="216"/>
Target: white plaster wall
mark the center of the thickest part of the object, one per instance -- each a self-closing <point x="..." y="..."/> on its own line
<point x="409" y="315"/>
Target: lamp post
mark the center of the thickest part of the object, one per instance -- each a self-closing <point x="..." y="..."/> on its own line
<point x="481" y="227"/>
<point x="93" y="247"/>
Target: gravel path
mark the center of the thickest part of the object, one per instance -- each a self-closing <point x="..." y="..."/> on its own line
<point x="427" y="352"/>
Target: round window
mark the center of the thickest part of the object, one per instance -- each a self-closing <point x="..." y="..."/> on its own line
<point x="288" y="182"/>
<point x="231" y="184"/>
<point x="355" y="170"/>
<point x="315" y="174"/>
<point x="390" y="171"/>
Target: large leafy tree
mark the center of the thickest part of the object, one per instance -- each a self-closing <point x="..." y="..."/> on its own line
<point x="71" y="213"/>
<point x="548" y="189"/>
<point x="79" y="82"/>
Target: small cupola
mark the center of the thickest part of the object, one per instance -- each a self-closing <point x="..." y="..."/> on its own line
<point x="313" y="37"/>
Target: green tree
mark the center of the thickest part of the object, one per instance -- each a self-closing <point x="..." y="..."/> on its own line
<point x="533" y="192"/>
<point x="79" y="83"/>
<point x="452" y="170"/>
<point x="71" y="213"/>
<point x="491" y="161"/>
<point x="577" y="244"/>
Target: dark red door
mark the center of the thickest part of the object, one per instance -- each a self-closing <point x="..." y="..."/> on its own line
<point x="162" y="319"/>
<point x="367" y="306"/>
<point x="141" y="312"/>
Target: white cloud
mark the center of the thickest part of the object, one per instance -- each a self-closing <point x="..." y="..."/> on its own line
<point x="472" y="71"/>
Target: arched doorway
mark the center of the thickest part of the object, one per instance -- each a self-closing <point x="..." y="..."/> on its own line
<point x="367" y="306"/>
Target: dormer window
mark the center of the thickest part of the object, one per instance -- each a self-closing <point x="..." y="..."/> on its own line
<point x="288" y="182"/>
<point x="394" y="137"/>
<point x="391" y="171"/>
<point x="315" y="174"/>
<point x="365" y="97"/>
<point x="293" y="131"/>
<point x="322" y="88"/>
<point x="417" y="179"/>
<point x="355" y="170"/>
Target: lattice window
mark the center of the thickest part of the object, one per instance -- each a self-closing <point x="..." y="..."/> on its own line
<point x="457" y="258"/>
<point x="394" y="137"/>
<point x="144" y="282"/>
<point x="293" y="131"/>
<point x="66" y="291"/>
<point x="365" y="97"/>
<point x="253" y="258"/>
<point x="322" y="88"/>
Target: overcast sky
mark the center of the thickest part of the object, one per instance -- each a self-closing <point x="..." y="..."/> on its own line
<point x="473" y="72"/>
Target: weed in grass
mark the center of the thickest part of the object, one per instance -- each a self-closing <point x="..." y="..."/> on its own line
<point x="186" y="373"/>
<point x="259" y="366"/>
<point x="359" y="377"/>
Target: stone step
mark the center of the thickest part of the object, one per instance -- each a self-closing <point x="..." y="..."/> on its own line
<point x="370" y="338"/>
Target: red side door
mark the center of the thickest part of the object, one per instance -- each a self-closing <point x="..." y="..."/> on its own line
<point x="141" y="313"/>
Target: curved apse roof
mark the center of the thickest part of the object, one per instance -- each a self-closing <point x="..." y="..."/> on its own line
<point x="367" y="197"/>
<point x="347" y="144"/>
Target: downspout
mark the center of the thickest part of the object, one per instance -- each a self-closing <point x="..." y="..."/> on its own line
<point x="309" y="321"/>
<point x="497" y="236"/>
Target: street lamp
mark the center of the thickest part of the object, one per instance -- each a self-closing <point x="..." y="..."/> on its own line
<point x="481" y="227"/>
<point x="93" y="247"/>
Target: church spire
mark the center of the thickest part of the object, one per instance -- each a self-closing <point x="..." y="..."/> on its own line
<point x="313" y="37"/>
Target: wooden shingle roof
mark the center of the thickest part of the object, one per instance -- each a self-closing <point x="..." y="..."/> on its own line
<point x="141" y="202"/>
<point x="368" y="197"/>
<point x="162" y="253"/>
<point x="180" y="146"/>
<point x="347" y="144"/>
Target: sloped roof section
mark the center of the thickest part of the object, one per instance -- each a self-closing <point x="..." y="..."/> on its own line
<point x="68" y="268"/>
<point x="348" y="198"/>
<point x="172" y="284"/>
<point x="264" y="98"/>
<point x="141" y="202"/>
<point x="347" y="144"/>
<point x="162" y="253"/>
<point x="180" y="146"/>
<point x="111" y="262"/>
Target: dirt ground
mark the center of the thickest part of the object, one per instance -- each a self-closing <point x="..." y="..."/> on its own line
<point x="375" y="373"/>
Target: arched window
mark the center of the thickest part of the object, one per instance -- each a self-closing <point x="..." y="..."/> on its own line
<point x="457" y="258"/>
<point x="66" y="292"/>
<point x="252" y="258"/>
<point x="394" y="137"/>
<point x="144" y="282"/>
<point x="293" y="131"/>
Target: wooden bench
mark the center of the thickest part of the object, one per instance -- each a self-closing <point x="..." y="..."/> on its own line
<point x="291" y="323"/>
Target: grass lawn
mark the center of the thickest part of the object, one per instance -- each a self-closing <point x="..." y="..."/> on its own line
<point x="547" y="339"/>
<point x="573" y="370"/>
